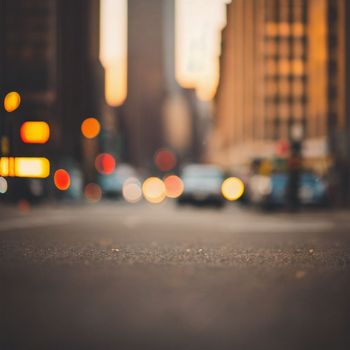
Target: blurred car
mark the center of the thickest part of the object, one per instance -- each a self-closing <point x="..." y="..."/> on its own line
<point x="202" y="185"/>
<point x="112" y="184"/>
<point x="271" y="191"/>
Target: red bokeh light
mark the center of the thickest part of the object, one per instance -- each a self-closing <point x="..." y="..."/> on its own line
<point x="165" y="160"/>
<point x="174" y="186"/>
<point x="105" y="163"/>
<point x="62" y="179"/>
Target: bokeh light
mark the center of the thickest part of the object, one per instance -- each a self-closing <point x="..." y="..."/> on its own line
<point x="154" y="190"/>
<point x="93" y="193"/>
<point x="174" y="186"/>
<point x="35" y="167"/>
<point x="62" y="179"/>
<point x="90" y="128"/>
<point x="132" y="191"/>
<point x="31" y="167"/>
<point x="7" y="166"/>
<point x="105" y="163"/>
<point x="165" y="159"/>
<point x="35" y="132"/>
<point x="232" y="188"/>
<point x="12" y="101"/>
<point x="3" y="185"/>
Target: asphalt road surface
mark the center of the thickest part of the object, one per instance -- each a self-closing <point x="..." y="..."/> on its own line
<point x="117" y="276"/>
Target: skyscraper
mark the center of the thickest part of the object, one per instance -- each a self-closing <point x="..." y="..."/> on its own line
<point x="282" y="71"/>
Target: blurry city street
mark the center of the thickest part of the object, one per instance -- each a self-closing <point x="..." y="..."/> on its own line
<point x="174" y="174"/>
<point x="89" y="277"/>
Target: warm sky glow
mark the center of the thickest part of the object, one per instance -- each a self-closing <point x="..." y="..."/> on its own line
<point x="113" y="51"/>
<point x="198" y="28"/>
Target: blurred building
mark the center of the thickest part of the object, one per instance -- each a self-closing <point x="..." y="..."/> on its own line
<point x="49" y="54"/>
<point x="157" y="111"/>
<point x="282" y="74"/>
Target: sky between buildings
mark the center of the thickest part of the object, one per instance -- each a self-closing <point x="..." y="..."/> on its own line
<point x="198" y="28"/>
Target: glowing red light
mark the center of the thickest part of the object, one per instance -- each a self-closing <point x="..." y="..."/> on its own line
<point x="105" y="163"/>
<point x="62" y="179"/>
<point x="165" y="160"/>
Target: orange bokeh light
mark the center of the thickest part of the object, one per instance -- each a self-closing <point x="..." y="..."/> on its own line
<point x="90" y="128"/>
<point x="62" y="179"/>
<point x="165" y="160"/>
<point x="35" y="132"/>
<point x="12" y="101"/>
<point x="105" y="163"/>
<point x="174" y="186"/>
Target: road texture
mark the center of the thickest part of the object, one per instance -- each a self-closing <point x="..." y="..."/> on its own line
<point x="117" y="276"/>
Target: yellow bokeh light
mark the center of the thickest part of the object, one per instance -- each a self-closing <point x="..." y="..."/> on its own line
<point x="154" y="190"/>
<point x="4" y="166"/>
<point x="232" y="188"/>
<point x="90" y="128"/>
<point x="35" y="132"/>
<point x="7" y="166"/>
<point x="32" y="167"/>
<point x="12" y="101"/>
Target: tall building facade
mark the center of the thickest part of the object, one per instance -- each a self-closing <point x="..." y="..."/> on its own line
<point x="282" y="73"/>
<point x="240" y="127"/>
